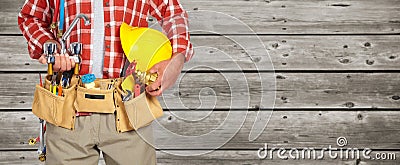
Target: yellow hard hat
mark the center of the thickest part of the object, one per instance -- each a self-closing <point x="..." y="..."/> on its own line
<point x="145" y="46"/>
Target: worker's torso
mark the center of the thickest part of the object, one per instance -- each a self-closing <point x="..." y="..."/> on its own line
<point x="132" y="12"/>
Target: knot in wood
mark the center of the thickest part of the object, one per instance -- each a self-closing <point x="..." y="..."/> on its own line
<point x="359" y="117"/>
<point x="340" y="5"/>
<point x="344" y="60"/>
<point x="257" y="59"/>
<point x="396" y="97"/>
<point x="280" y="77"/>
<point x="349" y="105"/>
<point x="275" y="45"/>
<point x="369" y="62"/>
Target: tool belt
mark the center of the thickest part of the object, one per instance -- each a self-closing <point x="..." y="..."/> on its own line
<point x="60" y="110"/>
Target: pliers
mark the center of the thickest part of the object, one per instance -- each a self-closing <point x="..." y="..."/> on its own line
<point x="139" y="86"/>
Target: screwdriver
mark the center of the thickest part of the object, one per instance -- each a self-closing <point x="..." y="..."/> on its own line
<point x="55" y="89"/>
<point x="40" y="80"/>
<point x="59" y="90"/>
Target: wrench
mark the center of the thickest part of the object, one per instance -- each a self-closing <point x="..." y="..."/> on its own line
<point x="75" y="49"/>
<point x="41" y="137"/>
<point x="50" y="49"/>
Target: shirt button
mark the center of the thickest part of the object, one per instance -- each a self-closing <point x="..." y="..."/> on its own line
<point x="107" y="4"/>
<point x="106" y="72"/>
<point x="108" y="25"/>
<point x="108" y="46"/>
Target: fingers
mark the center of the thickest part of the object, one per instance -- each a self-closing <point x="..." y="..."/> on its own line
<point x="156" y="92"/>
<point x="42" y="59"/>
<point x="154" y="86"/>
<point x="72" y="63"/>
<point x="63" y="63"/>
<point x="57" y="64"/>
<point x="67" y="62"/>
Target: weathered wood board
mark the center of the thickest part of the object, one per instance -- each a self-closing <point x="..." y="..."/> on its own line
<point x="337" y="73"/>
<point x="218" y="90"/>
<point x="328" y="53"/>
<point x="298" y="129"/>
<point x="270" y="17"/>
<point x="215" y="158"/>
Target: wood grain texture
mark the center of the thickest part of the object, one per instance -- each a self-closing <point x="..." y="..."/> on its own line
<point x="270" y="17"/>
<point x="316" y="129"/>
<point x="236" y="90"/>
<point x="238" y="53"/>
<point x="215" y="158"/>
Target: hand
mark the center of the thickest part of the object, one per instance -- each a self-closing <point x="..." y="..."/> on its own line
<point x="62" y="62"/>
<point x="168" y="72"/>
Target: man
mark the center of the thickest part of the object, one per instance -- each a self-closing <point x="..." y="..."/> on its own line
<point x="102" y="55"/>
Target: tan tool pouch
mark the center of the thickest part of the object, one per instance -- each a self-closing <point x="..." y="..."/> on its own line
<point x="60" y="110"/>
<point x="137" y="112"/>
<point x="57" y="110"/>
<point x="94" y="100"/>
<point x="142" y="110"/>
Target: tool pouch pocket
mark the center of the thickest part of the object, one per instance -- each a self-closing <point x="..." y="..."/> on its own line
<point x="94" y="100"/>
<point x="142" y="110"/>
<point x="55" y="109"/>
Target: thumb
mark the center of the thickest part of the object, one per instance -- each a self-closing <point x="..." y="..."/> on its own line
<point x="42" y="59"/>
<point x="154" y="69"/>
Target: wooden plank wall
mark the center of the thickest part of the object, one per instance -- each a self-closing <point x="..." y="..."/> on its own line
<point x="336" y="69"/>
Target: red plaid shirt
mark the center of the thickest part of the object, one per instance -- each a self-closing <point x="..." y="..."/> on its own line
<point x="35" y="19"/>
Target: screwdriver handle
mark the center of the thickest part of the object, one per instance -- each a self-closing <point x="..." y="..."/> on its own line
<point x="54" y="89"/>
<point x="50" y="49"/>
<point x="49" y="69"/>
<point x="76" y="69"/>
<point x="60" y="90"/>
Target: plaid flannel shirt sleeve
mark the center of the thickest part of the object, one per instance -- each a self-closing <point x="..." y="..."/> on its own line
<point x="34" y="22"/>
<point x="174" y="21"/>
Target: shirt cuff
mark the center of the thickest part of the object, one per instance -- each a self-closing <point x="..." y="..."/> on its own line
<point x="35" y="44"/>
<point x="184" y="47"/>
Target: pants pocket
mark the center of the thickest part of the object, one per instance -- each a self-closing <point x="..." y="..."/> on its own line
<point x="142" y="110"/>
<point x="54" y="109"/>
<point x="93" y="100"/>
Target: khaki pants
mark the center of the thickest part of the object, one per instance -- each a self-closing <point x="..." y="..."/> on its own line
<point x="96" y="133"/>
